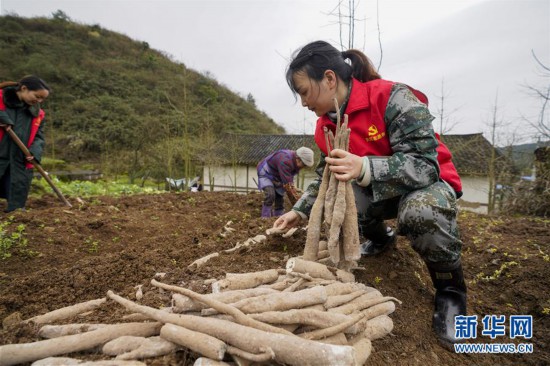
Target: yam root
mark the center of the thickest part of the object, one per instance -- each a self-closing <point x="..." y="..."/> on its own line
<point x="363" y="349"/>
<point x="285" y="233"/>
<point x="122" y="345"/>
<point x="182" y="303"/>
<point x="339" y="288"/>
<point x="323" y="254"/>
<point x="318" y="270"/>
<point x="282" y="285"/>
<point x="335" y="301"/>
<point x="222" y="308"/>
<point x="338" y="339"/>
<point x="247" y="244"/>
<point x="312" y="317"/>
<point x="350" y="228"/>
<point x="204" y="361"/>
<point x="295" y="285"/>
<point x="202" y="261"/>
<point x="329" y="332"/>
<point x="327" y="261"/>
<point x="66" y="312"/>
<point x="240" y="281"/>
<point x="378" y="327"/>
<point x="290" y="350"/>
<point x="315" y="220"/>
<point x="135" y="317"/>
<point x="330" y="199"/>
<point x="67" y="361"/>
<point x="265" y="355"/>
<point x="360" y="303"/>
<point x="201" y="343"/>
<point x="54" y="331"/>
<point x="281" y="301"/>
<point x="385" y="308"/>
<point x="290" y="232"/>
<point x="12" y="354"/>
<point x="336" y="223"/>
<point x="145" y="348"/>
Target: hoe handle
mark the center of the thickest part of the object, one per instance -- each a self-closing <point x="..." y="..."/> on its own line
<point x="38" y="167"/>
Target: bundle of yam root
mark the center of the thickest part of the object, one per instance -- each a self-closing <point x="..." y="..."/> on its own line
<point x="310" y="313"/>
<point x="306" y="314"/>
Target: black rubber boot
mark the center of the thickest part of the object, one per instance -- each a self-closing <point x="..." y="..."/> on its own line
<point x="450" y="299"/>
<point x="380" y="238"/>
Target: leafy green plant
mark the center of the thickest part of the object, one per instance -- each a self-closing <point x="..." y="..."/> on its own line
<point x="92" y="245"/>
<point x="13" y="241"/>
<point x="89" y="188"/>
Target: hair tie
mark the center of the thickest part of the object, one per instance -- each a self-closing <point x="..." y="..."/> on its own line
<point x="344" y="53"/>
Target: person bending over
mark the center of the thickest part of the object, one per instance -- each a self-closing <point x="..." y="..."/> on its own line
<point x="276" y="176"/>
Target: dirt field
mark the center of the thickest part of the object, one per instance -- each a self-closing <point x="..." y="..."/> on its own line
<point x="117" y="243"/>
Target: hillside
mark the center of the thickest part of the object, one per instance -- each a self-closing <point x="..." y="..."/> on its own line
<point x="116" y="97"/>
<point x="523" y="155"/>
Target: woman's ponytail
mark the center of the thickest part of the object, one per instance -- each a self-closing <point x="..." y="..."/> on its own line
<point x="362" y="68"/>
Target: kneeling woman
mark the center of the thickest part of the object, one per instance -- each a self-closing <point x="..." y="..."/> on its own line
<point x="400" y="169"/>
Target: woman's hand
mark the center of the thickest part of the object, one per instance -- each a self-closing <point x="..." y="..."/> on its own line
<point x="29" y="158"/>
<point x="287" y="221"/>
<point x="344" y="165"/>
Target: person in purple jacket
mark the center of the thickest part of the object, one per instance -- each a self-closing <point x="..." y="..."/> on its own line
<point x="276" y="176"/>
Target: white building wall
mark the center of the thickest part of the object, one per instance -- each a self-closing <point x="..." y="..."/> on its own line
<point x="224" y="178"/>
<point x="475" y="189"/>
<point x="476" y="194"/>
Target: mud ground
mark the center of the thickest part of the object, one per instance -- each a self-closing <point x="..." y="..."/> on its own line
<point x="108" y="243"/>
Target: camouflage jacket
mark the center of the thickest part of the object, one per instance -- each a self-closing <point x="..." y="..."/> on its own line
<point x="403" y="131"/>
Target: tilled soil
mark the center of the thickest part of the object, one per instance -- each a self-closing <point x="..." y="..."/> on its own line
<point x="107" y="243"/>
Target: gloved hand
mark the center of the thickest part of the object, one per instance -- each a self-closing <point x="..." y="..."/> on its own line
<point x="291" y="192"/>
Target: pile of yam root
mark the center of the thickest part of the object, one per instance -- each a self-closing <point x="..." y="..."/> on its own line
<point x="310" y="313"/>
<point x="306" y="314"/>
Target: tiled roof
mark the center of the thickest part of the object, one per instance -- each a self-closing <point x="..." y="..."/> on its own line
<point x="471" y="153"/>
<point x="251" y="149"/>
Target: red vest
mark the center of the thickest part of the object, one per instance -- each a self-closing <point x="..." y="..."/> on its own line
<point x="366" y="110"/>
<point x="36" y="121"/>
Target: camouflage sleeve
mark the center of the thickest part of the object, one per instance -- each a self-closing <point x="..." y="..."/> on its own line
<point x="413" y="164"/>
<point x="305" y="203"/>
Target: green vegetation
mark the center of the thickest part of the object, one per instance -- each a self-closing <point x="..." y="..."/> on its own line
<point x="92" y="246"/>
<point x="13" y="241"/>
<point x="119" y="105"/>
<point x="87" y="188"/>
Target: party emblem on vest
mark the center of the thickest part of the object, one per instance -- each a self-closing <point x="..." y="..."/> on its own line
<point x="374" y="135"/>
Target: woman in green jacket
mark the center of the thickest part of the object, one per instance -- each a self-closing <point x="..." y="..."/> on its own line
<point x="20" y="110"/>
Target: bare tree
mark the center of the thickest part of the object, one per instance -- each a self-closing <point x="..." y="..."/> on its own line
<point x="344" y="12"/>
<point x="347" y="20"/>
<point x="443" y="114"/>
<point x="541" y="123"/>
<point x="379" y="36"/>
<point x="499" y="167"/>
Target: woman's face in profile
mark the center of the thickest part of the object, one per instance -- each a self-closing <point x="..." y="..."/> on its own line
<point x="31" y="97"/>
